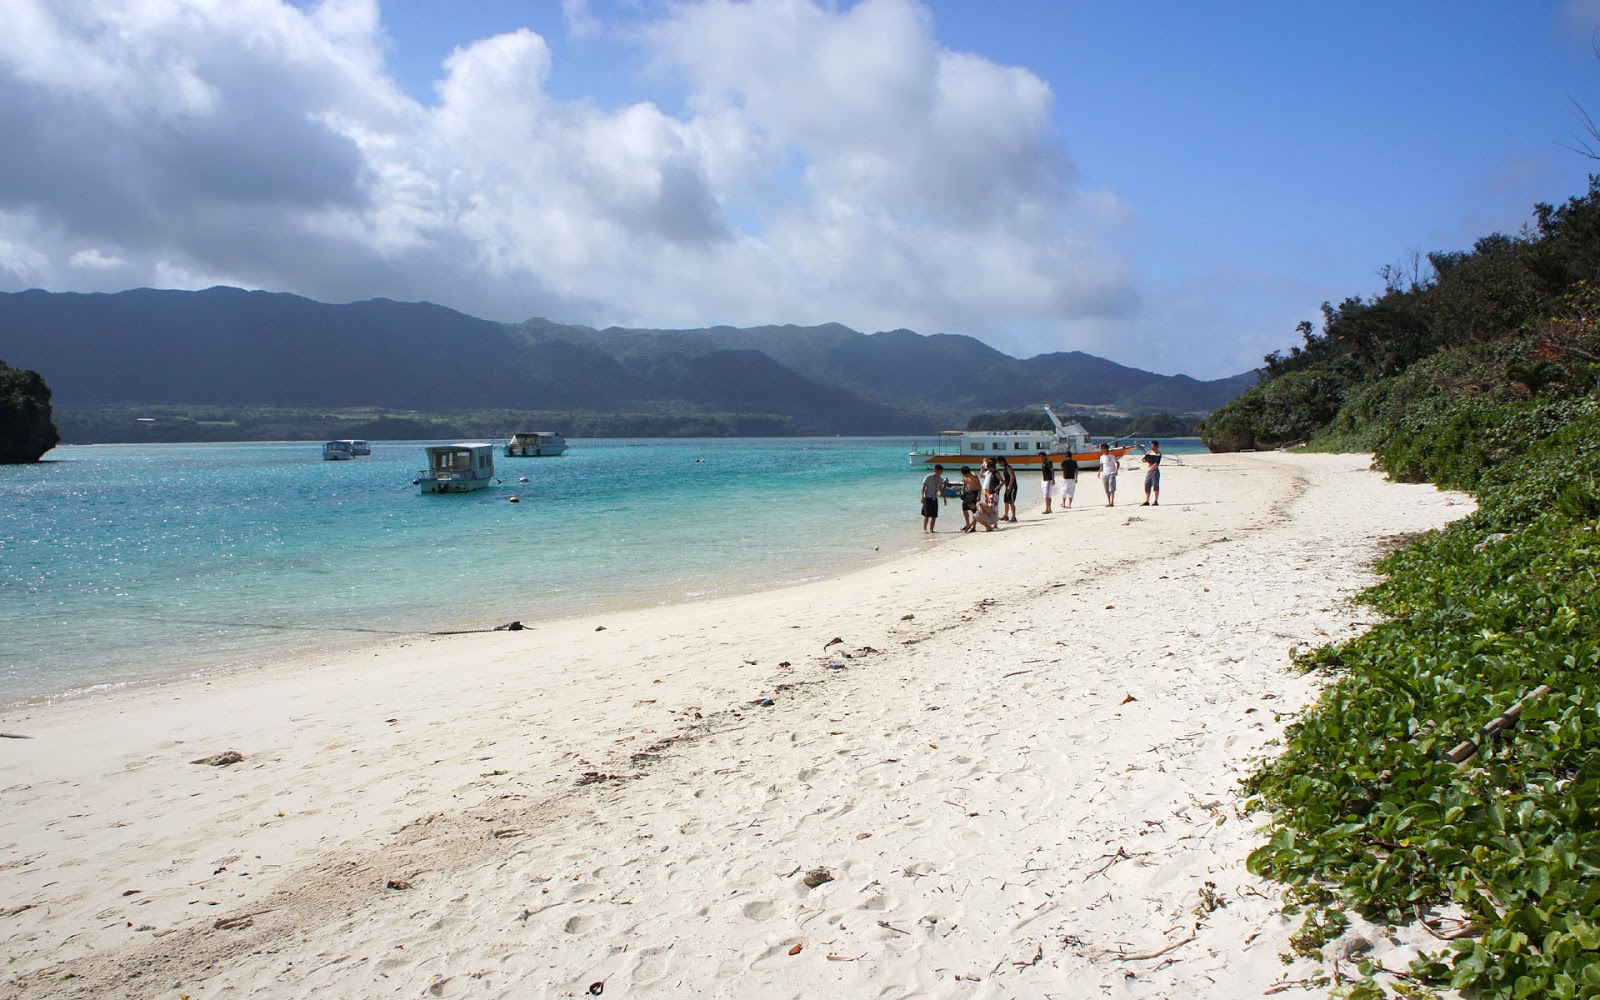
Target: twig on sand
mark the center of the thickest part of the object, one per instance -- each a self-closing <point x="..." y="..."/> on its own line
<point x="1037" y="955"/>
<point x="1121" y="855"/>
<point x="1015" y="673"/>
<point x="14" y="736"/>
<point x="1157" y="954"/>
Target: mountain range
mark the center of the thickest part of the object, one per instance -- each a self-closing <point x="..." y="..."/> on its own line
<point x="226" y="346"/>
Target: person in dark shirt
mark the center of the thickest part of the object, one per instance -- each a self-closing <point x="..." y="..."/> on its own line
<point x="1069" y="480"/>
<point x="1152" y="476"/>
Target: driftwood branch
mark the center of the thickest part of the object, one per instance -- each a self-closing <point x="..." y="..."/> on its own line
<point x="1157" y="954"/>
<point x="1467" y="749"/>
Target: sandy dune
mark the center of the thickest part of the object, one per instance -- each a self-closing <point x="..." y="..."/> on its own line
<point x="1015" y="775"/>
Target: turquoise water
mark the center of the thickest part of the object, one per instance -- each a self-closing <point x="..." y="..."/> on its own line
<point x="127" y="563"/>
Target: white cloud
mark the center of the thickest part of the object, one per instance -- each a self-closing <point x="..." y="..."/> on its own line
<point x="93" y="260"/>
<point x="828" y="165"/>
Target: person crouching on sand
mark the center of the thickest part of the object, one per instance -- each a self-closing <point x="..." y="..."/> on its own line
<point x="969" y="497"/>
<point x="1108" y="474"/>
<point x="932" y="496"/>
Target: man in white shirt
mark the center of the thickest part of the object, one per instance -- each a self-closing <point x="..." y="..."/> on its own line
<point x="1108" y="474"/>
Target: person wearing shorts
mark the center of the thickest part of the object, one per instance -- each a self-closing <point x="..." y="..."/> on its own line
<point x="1008" y="490"/>
<point x="932" y="494"/>
<point x="1069" y="481"/>
<point x="969" y="497"/>
<point x="1152" y="476"/>
<point x="1108" y="474"/>
<point x="1047" y="482"/>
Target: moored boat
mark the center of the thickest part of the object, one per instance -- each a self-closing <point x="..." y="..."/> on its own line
<point x="457" y="468"/>
<point x="1020" y="448"/>
<point x="535" y="444"/>
<point x="337" y="451"/>
<point x="360" y="447"/>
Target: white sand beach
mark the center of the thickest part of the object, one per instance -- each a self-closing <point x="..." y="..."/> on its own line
<point x="1006" y="766"/>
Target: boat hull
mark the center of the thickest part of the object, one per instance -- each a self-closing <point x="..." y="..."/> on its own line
<point x="453" y="485"/>
<point x="1020" y="462"/>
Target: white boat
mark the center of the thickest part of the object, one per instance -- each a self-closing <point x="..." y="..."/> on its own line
<point x="457" y="468"/>
<point x="359" y="447"/>
<point x="1019" y="448"/>
<point x="337" y="451"/>
<point x="535" y="444"/>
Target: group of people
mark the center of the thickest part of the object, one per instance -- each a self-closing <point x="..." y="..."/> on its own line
<point x="989" y="496"/>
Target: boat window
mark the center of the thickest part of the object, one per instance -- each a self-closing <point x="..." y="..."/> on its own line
<point x="977" y="446"/>
<point x="1019" y="446"/>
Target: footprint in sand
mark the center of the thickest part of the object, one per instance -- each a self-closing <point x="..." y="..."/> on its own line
<point x="650" y="966"/>
<point x="761" y="909"/>
<point x="579" y="924"/>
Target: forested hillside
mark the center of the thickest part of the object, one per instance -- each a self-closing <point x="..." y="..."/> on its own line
<point x="1450" y="773"/>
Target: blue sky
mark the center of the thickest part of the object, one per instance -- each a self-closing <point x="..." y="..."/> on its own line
<point x="1170" y="185"/>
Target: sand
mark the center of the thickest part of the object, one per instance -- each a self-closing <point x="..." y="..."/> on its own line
<point x="1007" y="765"/>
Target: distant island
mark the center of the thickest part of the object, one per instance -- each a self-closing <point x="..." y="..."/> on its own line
<point x="229" y="364"/>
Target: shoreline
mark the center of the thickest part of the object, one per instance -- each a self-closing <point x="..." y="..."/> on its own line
<point x="640" y="796"/>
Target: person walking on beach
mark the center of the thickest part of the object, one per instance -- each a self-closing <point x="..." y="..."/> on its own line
<point x="1152" y="475"/>
<point x="1069" y="480"/>
<point x="932" y="495"/>
<point x="1108" y="474"/>
<point x="1047" y="481"/>
<point x="969" y="497"/>
<point x="1008" y="486"/>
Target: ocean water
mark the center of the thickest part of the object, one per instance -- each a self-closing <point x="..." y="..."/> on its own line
<point x="122" y="564"/>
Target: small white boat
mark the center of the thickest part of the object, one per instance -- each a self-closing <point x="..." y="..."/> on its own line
<point x="457" y="468"/>
<point x="1019" y="448"/>
<point x="535" y="444"/>
<point x="337" y="451"/>
<point x="359" y="447"/>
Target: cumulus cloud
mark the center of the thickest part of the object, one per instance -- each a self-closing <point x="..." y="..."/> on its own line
<point x="825" y="164"/>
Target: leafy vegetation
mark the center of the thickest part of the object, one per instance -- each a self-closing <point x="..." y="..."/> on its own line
<point x="1390" y="800"/>
<point x="26" y="428"/>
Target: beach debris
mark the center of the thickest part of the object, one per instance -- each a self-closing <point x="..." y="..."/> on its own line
<point x="863" y="836"/>
<point x="14" y="736"/>
<point x="1160" y="952"/>
<point x="238" y="923"/>
<point x="796" y="949"/>
<point x="906" y="618"/>
<point x="599" y="987"/>
<point x="832" y="642"/>
<point x="599" y="628"/>
<point x="510" y="627"/>
<point x="766" y="703"/>
<point x="785" y="663"/>
<point x="597" y="777"/>
<point x="817" y="876"/>
<point x="1128" y="699"/>
<point x="397" y="883"/>
<point x="222" y="759"/>
<point x="1111" y="607"/>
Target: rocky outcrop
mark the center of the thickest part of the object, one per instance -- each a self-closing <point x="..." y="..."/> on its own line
<point x="26" y="428"/>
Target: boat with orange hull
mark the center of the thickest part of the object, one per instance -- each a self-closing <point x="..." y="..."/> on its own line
<point x="1019" y="448"/>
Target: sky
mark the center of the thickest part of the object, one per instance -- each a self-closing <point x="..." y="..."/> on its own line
<point x="1171" y="185"/>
